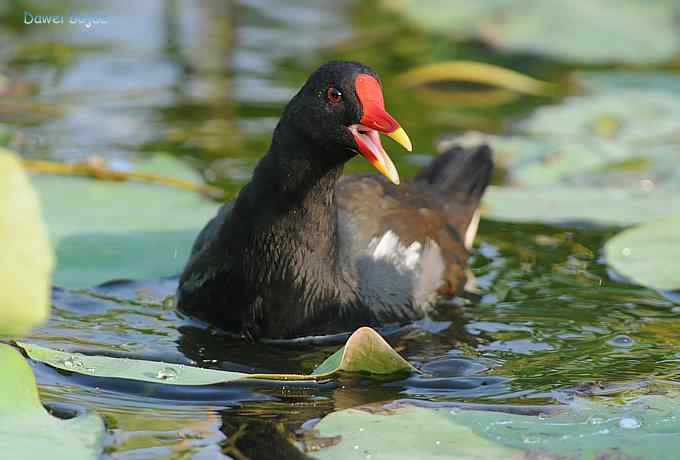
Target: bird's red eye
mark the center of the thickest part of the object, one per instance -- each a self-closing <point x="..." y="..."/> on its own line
<point x="333" y="95"/>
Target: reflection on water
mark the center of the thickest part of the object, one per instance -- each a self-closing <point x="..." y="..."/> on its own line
<point x="206" y="80"/>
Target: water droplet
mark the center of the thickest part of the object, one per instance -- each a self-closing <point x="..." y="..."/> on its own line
<point x="452" y="412"/>
<point x="361" y="429"/>
<point x="647" y="184"/>
<point x="167" y="373"/>
<point x="626" y="252"/>
<point x="621" y="341"/>
<point x="629" y="423"/>
<point x="356" y="447"/>
<point x="596" y="420"/>
<point x="437" y="443"/>
<point x="72" y="363"/>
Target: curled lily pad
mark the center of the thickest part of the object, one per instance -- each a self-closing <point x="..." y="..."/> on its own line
<point x="475" y="72"/>
<point x="365" y="352"/>
<point x="648" y="254"/>
<point x="28" y="431"/>
<point x="26" y="259"/>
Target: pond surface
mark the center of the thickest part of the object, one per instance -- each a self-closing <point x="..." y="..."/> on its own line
<point x="206" y="81"/>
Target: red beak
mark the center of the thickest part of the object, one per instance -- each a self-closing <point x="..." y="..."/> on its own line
<point x="373" y="121"/>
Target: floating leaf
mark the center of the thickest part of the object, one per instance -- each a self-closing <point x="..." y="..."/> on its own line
<point x="564" y="204"/>
<point x="583" y="430"/>
<point x="612" y="157"/>
<point x="562" y="30"/>
<point x="133" y="369"/>
<point x="27" y="431"/>
<point x="365" y="352"/>
<point x="475" y="72"/>
<point x="648" y="254"/>
<point x="643" y="116"/>
<point x="105" y="230"/>
<point x="26" y="259"/>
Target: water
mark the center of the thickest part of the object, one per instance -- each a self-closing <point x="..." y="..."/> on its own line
<point x="206" y="82"/>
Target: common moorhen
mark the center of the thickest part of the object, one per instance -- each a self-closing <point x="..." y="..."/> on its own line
<point x="303" y="250"/>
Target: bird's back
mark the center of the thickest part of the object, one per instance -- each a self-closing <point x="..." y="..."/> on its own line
<point x="408" y="245"/>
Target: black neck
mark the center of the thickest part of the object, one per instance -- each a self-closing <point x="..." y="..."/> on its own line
<point x="287" y="235"/>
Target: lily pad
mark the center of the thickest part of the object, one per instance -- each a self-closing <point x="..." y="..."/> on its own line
<point x="560" y="204"/>
<point x="611" y="157"/>
<point x="365" y="352"/>
<point x="531" y="26"/>
<point x="103" y="230"/>
<point x="28" y="431"/>
<point x="648" y="254"/>
<point x="584" y="429"/>
<point x="26" y="259"/>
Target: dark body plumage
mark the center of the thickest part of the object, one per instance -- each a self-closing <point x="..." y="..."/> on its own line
<point x="304" y="250"/>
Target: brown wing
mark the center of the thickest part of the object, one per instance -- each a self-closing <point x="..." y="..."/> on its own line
<point x="412" y="213"/>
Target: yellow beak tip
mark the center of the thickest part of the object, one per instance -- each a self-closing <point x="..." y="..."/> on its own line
<point x="400" y="136"/>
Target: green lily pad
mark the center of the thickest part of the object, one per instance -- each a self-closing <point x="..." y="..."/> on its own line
<point x="24" y="298"/>
<point x="531" y="26"/>
<point x="583" y="430"/>
<point x="132" y="369"/>
<point x="104" y="230"/>
<point x="611" y="157"/>
<point x="577" y="205"/>
<point x="648" y="254"/>
<point x="28" y="431"/>
<point x="365" y="352"/>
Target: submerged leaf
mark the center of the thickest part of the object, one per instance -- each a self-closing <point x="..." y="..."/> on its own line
<point x="26" y="259"/>
<point x="27" y="431"/>
<point x="365" y="352"/>
<point x="648" y="254"/>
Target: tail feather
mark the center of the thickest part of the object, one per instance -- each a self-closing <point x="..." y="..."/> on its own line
<point x="459" y="176"/>
<point x="459" y="173"/>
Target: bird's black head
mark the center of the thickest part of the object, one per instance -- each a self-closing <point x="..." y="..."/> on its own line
<point x="340" y="110"/>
